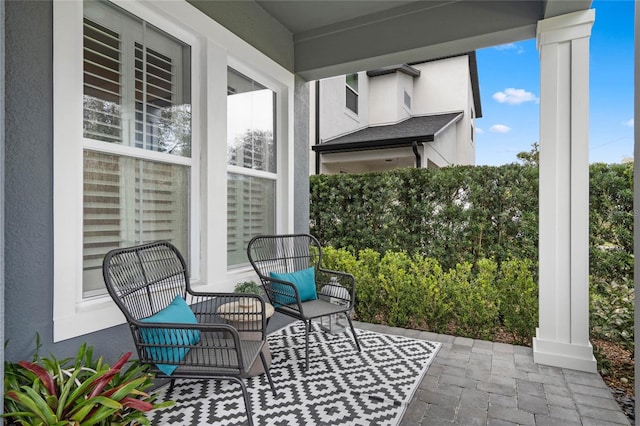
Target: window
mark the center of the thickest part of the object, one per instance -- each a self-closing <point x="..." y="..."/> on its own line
<point x="140" y="148"/>
<point x="136" y="94"/>
<point x="251" y="159"/>
<point x="352" y="92"/>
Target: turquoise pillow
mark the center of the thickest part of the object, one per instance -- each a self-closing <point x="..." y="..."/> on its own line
<point x="177" y="312"/>
<point x="304" y="280"/>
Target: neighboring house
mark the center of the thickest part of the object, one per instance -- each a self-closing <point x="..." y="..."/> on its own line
<point x="418" y="115"/>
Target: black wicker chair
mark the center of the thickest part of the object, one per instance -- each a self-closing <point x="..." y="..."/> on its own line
<point x="281" y="260"/>
<point x="181" y="333"/>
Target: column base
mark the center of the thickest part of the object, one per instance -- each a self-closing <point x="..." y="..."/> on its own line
<point x="564" y="355"/>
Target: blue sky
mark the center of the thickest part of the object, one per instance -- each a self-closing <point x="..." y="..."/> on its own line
<point x="510" y="88"/>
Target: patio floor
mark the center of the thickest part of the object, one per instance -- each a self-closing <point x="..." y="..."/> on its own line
<point x="475" y="382"/>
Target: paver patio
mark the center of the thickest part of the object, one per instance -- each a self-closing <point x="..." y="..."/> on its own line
<point x="476" y="382"/>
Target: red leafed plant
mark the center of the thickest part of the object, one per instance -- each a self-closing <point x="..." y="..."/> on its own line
<point x="80" y="391"/>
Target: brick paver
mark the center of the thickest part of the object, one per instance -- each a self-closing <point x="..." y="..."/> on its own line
<point x="474" y="382"/>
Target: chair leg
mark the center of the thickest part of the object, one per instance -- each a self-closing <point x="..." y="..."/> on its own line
<point x="245" y="395"/>
<point x="353" y="331"/>
<point x="268" y="373"/>
<point x="173" y="381"/>
<point x="307" y="329"/>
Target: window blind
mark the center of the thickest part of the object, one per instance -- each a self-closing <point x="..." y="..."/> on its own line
<point x="250" y="212"/>
<point x="102" y="83"/>
<point x="160" y="123"/>
<point x="130" y="201"/>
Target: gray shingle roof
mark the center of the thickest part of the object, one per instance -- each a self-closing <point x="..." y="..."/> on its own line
<point x="414" y="129"/>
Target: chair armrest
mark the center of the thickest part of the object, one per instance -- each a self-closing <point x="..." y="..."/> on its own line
<point x="191" y="345"/>
<point x="344" y="279"/>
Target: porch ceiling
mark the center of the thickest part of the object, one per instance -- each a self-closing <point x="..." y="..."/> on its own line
<point x="337" y="37"/>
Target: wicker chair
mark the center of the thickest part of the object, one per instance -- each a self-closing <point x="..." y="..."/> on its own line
<point x="192" y="340"/>
<point x="279" y="261"/>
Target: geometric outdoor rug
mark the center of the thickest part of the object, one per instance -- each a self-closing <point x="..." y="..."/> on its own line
<point x="341" y="387"/>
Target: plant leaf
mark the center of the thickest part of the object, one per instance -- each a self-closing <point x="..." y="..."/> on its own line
<point x="34" y="403"/>
<point x="42" y="374"/>
<point x="106" y="378"/>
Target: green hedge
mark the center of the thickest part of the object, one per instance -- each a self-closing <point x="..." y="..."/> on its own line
<point x="463" y="214"/>
<point x="416" y="292"/>
<point x="455" y="250"/>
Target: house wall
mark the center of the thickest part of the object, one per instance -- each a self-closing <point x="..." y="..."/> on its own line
<point x="301" y="158"/>
<point x="386" y="98"/>
<point x="2" y="109"/>
<point x="466" y="127"/>
<point x="28" y="185"/>
<point x="335" y="118"/>
<point x="442" y="86"/>
<point x="444" y="148"/>
<point x="28" y="188"/>
<point x="445" y="86"/>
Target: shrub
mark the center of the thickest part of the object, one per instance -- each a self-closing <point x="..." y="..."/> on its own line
<point x="463" y="214"/>
<point x="518" y="292"/>
<point x="77" y="391"/>
<point x="612" y="312"/>
<point x="398" y="288"/>
<point x="433" y="299"/>
<point x="475" y="298"/>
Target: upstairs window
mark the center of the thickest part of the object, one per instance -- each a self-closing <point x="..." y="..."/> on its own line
<point x="352" y="92"/>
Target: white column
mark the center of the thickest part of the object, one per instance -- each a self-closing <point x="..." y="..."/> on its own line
<point x="562" y="338"/>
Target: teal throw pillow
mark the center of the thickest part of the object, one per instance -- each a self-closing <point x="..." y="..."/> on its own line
<point x="304" y="280"/>
<point x="176" y="312"/>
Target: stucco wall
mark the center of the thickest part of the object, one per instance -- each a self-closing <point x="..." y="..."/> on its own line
<point x="442" y="86"/>
<point x="443" y="149"/>
<point x="335" y="118"/>
<point x="301" y="157"/>
<point x="29" y="191"/>
<point x="2" y="31"/>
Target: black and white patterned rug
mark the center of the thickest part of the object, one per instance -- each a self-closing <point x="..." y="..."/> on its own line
<point x="341" y="387"/>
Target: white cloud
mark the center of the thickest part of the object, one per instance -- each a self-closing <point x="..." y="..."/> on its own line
<point x="628" y="123"/>
<point x="510" y="46"/>
<point x="499" y="128"/>
<point x="479" y="130"/>
<point x="513" y="96"/>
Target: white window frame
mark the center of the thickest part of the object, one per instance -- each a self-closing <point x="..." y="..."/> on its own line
<point x="248" y="172"/>
<point x="348" y="88"/>
<point x="211" y="45"/>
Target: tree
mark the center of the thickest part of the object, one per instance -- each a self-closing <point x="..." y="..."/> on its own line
<point x="530" y="158"/>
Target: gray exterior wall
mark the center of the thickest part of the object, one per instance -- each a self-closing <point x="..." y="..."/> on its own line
<point x="2" y="31"/>
<point x="301" y="156"/>
<point x="28" y="189"/>
<point x="636" y="201"/>
<point x="28" y="186"/>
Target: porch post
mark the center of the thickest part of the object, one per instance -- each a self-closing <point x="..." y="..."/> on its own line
<point x="562" y="338"/>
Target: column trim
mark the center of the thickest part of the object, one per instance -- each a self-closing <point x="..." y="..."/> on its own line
<point x="562" y="338"/>
<point x="565" y="27"/>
